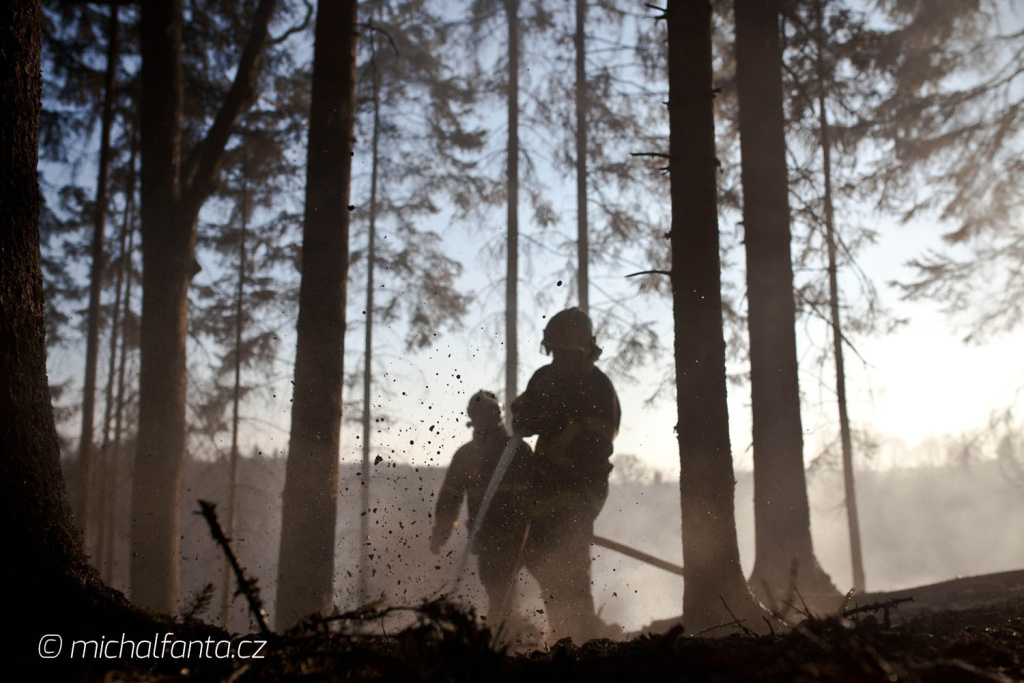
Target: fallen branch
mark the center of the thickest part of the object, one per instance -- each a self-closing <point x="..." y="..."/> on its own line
<point x="735" y="620"/>
<point x="246" y="586"/>
<point x="875" y="606"/>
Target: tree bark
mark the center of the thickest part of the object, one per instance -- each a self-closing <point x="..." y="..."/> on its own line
<point x="782" y="525"/>
<point x="711" y="561"/>
<point x="172" y="194"/>
<point x="310" y="500"/>
<point x="55" y="589"/>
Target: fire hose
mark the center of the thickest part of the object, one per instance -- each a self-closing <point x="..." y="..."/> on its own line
<point x="637" y="554"/>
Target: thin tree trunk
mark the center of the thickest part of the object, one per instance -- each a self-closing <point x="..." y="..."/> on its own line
<point x="106" y="473"/>
<point x="110" y="550"/>
<point x="711" y="558"/>
<point x="232" y="523"/>
<point x="512" y="185"/>
<point x="582" y="237"/>
<point x="782" y="524"/>
<point x="856" y="556"/>
<point x="87" y="489"/>
<point x="364" y="499"/>
<point x="310" y="500"/>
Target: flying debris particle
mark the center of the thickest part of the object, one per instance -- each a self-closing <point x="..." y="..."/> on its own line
<point x="558" y="284"/>
<point x="378" y="460"/>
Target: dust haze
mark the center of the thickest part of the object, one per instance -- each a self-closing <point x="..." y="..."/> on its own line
<point x="920" y="525"/>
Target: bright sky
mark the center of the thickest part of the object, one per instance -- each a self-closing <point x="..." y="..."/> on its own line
<point x="918" y="382"/>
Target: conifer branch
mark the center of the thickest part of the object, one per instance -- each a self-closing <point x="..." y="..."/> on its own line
<point x="200" y="170"/>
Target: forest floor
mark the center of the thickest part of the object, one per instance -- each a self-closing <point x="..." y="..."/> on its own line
<point x="968" y="629"/>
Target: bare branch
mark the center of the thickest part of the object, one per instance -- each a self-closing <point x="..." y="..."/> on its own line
<point x="651" y="272"/>
<point x="199" y="172"/>
<point x="297" y="28"/>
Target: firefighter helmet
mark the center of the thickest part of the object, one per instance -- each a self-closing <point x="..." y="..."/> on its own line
<point x="570" y="330"/>
<point x="481" y="403"/>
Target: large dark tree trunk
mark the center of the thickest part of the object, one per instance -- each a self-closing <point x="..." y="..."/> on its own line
<point x="512" y="205"/>
<point x="54" y="590"/>
<point x="167" y="241"/>
<point x="781" y="512"/>
<point x="711" y="557"/>
<point x="86" y="450"/>
<point x="310" y="502"/>
<point x="173" y="191"/>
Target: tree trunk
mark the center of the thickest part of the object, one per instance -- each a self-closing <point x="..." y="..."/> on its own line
<point x="107" y="473"/>
<point x="856" y="556"/>
<point x="310" y="500"/>
<point x="512" y="190"/>
<point x="234" y="463"/>
<point x="711" y="557"/>
<point x="582" y="238"/>
<point x="782" y="526"/>
<point x="55" y="590"/>
<point x="371" y="257"/>
<point x="173" y="191"/>
<point x="86" y="450"/>
<point x="168" y="238"/>
<point x="110" y="549"/>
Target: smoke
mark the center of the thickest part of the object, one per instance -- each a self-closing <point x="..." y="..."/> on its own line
<point x="919" y="526"/>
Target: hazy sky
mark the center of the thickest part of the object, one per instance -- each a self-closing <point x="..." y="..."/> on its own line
<point x="918" y="382"/>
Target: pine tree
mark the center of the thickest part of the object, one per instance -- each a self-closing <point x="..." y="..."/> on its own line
<point x="57" y="590"/>
<point x="781" y="510"/>
<point x="86" y="446"/>
<point x="714" y="579"/>
<point x="948" y="134"/>
<point x="306" y="561"/>
<point x="174" y="189"/>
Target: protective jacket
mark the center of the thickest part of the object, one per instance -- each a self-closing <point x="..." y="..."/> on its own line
<point x="468" y="476"/>
<point x="576" y="419"/>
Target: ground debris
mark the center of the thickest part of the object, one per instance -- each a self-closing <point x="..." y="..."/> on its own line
<point x="442" y="642"/>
